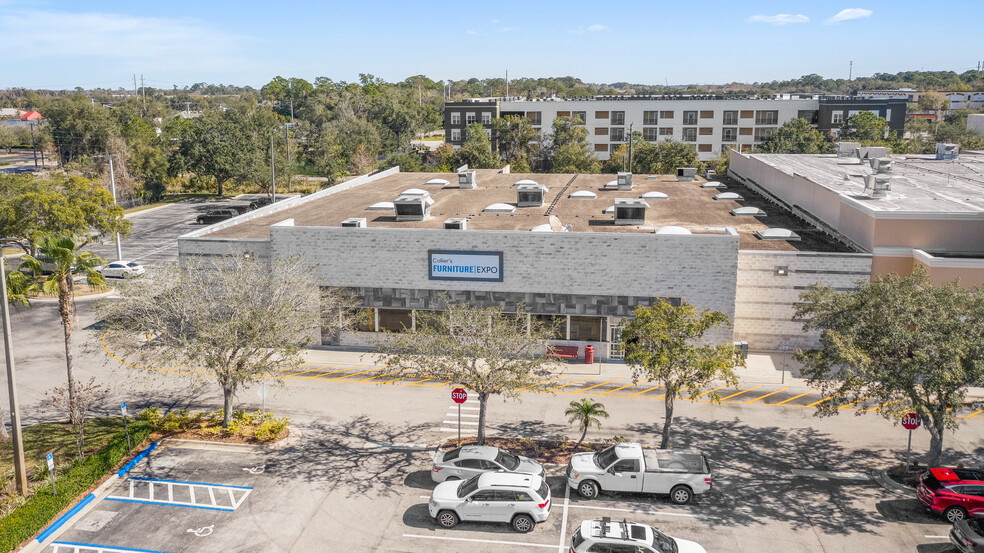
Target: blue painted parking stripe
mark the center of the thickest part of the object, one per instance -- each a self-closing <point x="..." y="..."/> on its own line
<point x="122" y="500"/>
<point x="142" y="479"/>
<point x="64" y="518"/>
<point x="109" y="547"/>
<point x="126" y="468"/>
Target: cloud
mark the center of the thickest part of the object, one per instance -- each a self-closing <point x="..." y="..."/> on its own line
<point x="471" y="32"/>
<point x="507" y="29"/>
<point x="849" y="14"/>
<point x="596" y="28"/>
<point x="494" y="21"/>
<point x="778" y="19"/>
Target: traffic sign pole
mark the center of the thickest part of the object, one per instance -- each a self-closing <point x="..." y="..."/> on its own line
<point x="459" y="396"/>
<point x="910" y="421"/>
<point x="51" y="471"/>
<point x="459" y="424"/>
<point x="126" y="426"/>
<point x="908" y="452"/>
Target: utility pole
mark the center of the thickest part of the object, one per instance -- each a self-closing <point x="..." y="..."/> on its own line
<point x="630" y="147"/>
<point x="134" y="84"/>
<point x="112" y="186"/>
<point x="507" y="83"/>
<point x="20" y="474"/>
<point x="143" y="92"/>
<point x="34" y="146"/>
<point x="850" y="72"/>
<point x="273" y="174"/>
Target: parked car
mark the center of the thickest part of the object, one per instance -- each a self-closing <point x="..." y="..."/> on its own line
<point x="260" y="202"/>
<point x="521" y="500"/>
<point x="968" y="535"/>
<point x="240" y="208"/>
<point x="471" y="460"/>
<point x="945" y="491"/>
<point x="627" y="467"/>
<point x="215" y="215"/>
<point x="607" y="536"/>
<point x="121" y="269"/>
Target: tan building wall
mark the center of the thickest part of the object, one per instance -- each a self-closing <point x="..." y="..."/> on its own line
<point x="885" y="264"/>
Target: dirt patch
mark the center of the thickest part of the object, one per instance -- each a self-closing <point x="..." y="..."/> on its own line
<point x="905" y="477"/>
<point x="544" y="451"/>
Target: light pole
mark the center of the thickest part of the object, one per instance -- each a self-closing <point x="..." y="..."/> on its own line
<point x="20" y="474"/>
<point x="112" y="185"/>
<point x="784" y="346"/>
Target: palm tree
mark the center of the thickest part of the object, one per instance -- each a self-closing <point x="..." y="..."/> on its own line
<point x="64" y="258"/>
<point x="584" y="413"/>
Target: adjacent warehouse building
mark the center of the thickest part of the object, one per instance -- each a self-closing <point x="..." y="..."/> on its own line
<point x="580" y="250"/>
<point x="713" y="124"/>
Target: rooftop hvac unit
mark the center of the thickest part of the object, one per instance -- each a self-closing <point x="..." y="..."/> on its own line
<point x="456" y="224"/>
<point x="630" y="211"/>
<point x="846" y="149"/>
<point x="881" y="164"/>
<point x="466" y="179"/>
<point x="624" y="181"/>
<point x="686" y="174"/>
<point x="710" y="174"/>
<point x="413" y="208"/>
<point x="355" y="222"/>
<point x="877" y="186"/>
<point x="530" y="195"/>
<point x="947" y="151"/>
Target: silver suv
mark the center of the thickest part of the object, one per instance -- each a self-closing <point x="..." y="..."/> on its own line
<point x="521" y="500"/>
<point x="607" y="536"/>
<point x="471" y="460"/>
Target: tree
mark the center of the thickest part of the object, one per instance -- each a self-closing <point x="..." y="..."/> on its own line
<point x="899" y="343"/>
<point x="666" y="345"/>
<point x="797" y="137"/>
<point x="865" y="126"/>
<point x="514" y="135"/>
<point x="477" y="152"/>
<point x="8" y="138"/>
<point x="480" y="348"/>
<point x="77" y="400"/>
<point x="237" y="316"/>
<point x="671" y="154"/>
<point x="569" y="147"/>
<point x="78" y="126"/>
<point x="361" y="162"/>
<point x="932" y="100"/>
<point x="31" y="208"/>
<point x="64" y="258"/>
<point x="585" y="413"/>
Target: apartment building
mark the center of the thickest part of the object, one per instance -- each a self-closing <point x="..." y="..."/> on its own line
<point x="959" y="99"/>
<point x="713" y="124"/>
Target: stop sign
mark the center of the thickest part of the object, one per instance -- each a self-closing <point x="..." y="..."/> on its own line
<point x="459" y="395"/>
<point x="910" y="421"/>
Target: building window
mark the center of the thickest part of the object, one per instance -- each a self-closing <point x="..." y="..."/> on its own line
<point x="650" y="118"/>
<point x="455" y="118"/>
<point x="808" y="115"/>
<point x="666" y="115"/>
<point x="612" y="148"/>
<point x="395" y="320"/>
<point x="455" y="135"/>
<point x="766" y="117"/>
<point x="486" y="118"/>
<point x="704" y="148"/>
<point x="618" y="118"/>
<point x="580" y="116"/>
<point x="745" y="131"/>
<point x="601" y="115"/>
<point x="888" y="114"/>
<point x="586" y="328"/>
<point x="837" y="117"/>
<point x="601" y="131"/>
<point x="706" y="131"/>
<point x="763" y="133"/>
<point x="690" y="134"/>
<point x="690" y="118"/>
<point x="469" y="118"/>
<point x="617" y="134"/>
<point x="747" y="114"/>
<point x="365" y="320"/>
<point x="563" y="114"/>
<point x="488" y="133"/>
<point x="707" y="114"/>
<point x="556" y="324"/>
<point x="534" y="117"/>
<point x="601" y="147"/>
<point x="666" y="131"/>
<point x="729" y="134"/>
<point x="731" y="118"/>
<point x="725" y="148"/>
<point x="651" y="134"/>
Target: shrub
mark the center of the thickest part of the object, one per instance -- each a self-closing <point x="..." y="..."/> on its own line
<point x="270" y="429"/>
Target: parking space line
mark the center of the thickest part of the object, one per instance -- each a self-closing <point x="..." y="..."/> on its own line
<point x="568" y="384"/>
<point x="476" y="540"/>
<point x="702" y="394"/>
<point x="852" y="403"/>
<point x="582" y="390"/>
<point x="973" y="414"/>
<point x="379" y="375"/>
<point x="678" y="391"/>
<point x="469" y="423"/>
<point x="542" y="382"/>
<point x="828" y="398"/>
<point x="794" y="397"/>
<point x="146" y="494"/>
<point x="76" y="546"/>
<point x="640" y="511"/>
<point x="266" y="374"/>
<point x="644" y="391"/>
<point x="623" y="387"/>
<point x="169" y="504"/>
<point x="159" y="480"/>
<point x="354" y="374"/>
<point x="736" y="394"/>
<point x="294" y="375"/>
<point x="767" y="395"/>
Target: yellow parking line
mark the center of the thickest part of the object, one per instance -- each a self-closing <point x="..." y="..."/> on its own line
<point x="883" y="404"/>
<point x="314" y="369"/>
<point x="794" y="397"/>
<point x="766" y="395"/>
<point x="710" y="391"/>
<point x="285" y="369"/>
<point x="623" y="387"/>
<point x="973" y="414"/>
<point x="320" y="374"/>
<point x="852" y="403"/>
<point x="678" y="391"/>
<point x="592" y="387"/>
<point x="354" y="374"/>
<point x="542" y="382"/>
<point x="379" y="375"/>
<point x="741" y="392"/>
<point x="828" y="398"/>
<point x="647" y="390"/>
<point x="402" y="376"/>
<point x="419" y="381"/>
<point x="569" y="383"/>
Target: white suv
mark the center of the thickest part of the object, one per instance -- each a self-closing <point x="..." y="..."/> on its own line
<point x="522" y="500"/>
<point x="606" y="536"/>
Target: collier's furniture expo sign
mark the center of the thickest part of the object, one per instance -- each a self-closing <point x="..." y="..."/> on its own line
<point x="465" y="265"/>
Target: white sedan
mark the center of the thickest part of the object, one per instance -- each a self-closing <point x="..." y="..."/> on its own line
<point x="121" y="269"/>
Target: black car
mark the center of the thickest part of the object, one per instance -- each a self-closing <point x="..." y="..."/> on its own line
<point x="215" y="215"/>
<point x="968" y="535"/>
<point x="260" y="202"/>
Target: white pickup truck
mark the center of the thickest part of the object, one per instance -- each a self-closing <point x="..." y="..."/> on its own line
<point x="627" y="467"/>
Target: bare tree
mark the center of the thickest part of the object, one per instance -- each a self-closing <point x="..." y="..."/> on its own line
<point x="238" y="316"/>
<point x="480" y="348"/>
<point x="77" y="400"/>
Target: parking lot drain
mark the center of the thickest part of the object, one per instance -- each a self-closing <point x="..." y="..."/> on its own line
<point x="66" y="546"/>
<point x="179" y="493"/>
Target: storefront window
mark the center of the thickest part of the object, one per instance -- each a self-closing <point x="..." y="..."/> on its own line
<point x="558" y="323"/>
<point x="586" y="328"/>
<point x="363" y="320"/>
<point x="395" y="320"/>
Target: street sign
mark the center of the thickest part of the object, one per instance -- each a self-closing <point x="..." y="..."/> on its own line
<point x="910" y="421"/>
<point x="51" y="472"/>
<point x="51" y="462"/>
<point x="123" y="408"/>
<point x="784" y="345"/>
<point x="459" y="395"/>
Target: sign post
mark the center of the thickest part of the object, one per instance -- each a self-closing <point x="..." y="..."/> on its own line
<point x="910" y="421"/>
<point x="125" y="425"/>
<point x="459" y="395"/>
<point x="784" y="346"/>
<point x="262" y="392"/>
<point x="51" y="471"/>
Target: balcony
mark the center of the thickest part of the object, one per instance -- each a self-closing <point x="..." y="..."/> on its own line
<point x="727" y="138"/>
<point x="765" y="121"/>
<point x="650" y="121"/>
<point x="731" y="121"/>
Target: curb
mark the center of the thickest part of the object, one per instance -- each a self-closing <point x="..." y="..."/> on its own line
<point x="292" y="438"/>
<point x="78" y="299"/>
<point x="882" y="479"/>
<point x="82" y="507"/>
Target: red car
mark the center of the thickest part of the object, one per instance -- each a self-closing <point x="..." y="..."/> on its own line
<point x="956" y="493"/>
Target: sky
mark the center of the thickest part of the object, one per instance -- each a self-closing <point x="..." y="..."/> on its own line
<point x="103" y="43"/>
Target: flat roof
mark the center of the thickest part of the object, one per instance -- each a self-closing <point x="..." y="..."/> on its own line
<point x="688" y="206"/>
<point x="920" y="183"/>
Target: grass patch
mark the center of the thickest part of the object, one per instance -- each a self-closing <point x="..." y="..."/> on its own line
<point x="27" y="519"/>
<point x="253" y="427"/>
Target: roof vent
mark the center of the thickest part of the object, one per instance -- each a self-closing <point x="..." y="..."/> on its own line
<point x="686" y="174"/>
<point x="777" y="234"/>
<point x="456" y="224"/>
<point x="436" y="182"/>
<point x="709" y="174"/>
<point x="878" y="185"/>
<point x="524" y="181"/>
<point x="381" y="206"/>
<point x="882" y="164"/>
<point x="624" y="181"/>
<point x="413" y="208"/>
<point x="500" y="208"/>
<point x="584" y="195"/>
<point x="530" y="195"/>
<point x="655" y="196"/>
<point x="355" y="222"/>
<point x="671" y="229"/>
<point x="947" y="151"/>
<point x="545" y="227"/>
<point x="712" y="184"/>
<point x="747" y="212"/>
<point x="612" y="184"/>
<point x="630" y="211"/>
<point x="846" y="149"/>
<point x="466" y="179"/>
<point x="414" y="192"/>
<point x="728" y="196"/>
